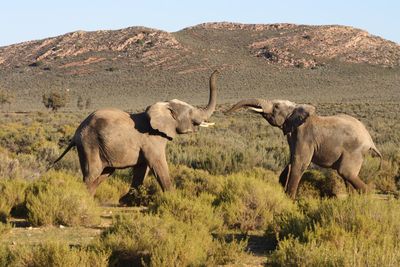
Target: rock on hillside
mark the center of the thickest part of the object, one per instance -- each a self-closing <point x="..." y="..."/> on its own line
<point x="315" y="44"/>
<point x="148" y="45"/>
<point x="282" y="44"/>
<point x="309" y="46"/>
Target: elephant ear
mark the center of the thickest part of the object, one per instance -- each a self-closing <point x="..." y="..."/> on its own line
<point x="297" y="118"/>
<point x="161" y="119"/>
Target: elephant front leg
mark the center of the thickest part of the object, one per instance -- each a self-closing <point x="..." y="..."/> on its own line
<point x="296" y="172"/>
<point x="140" y="172"/>
<point x="156" y="159"/>
<point x="299" y="163"/>
<point x="160" y="168"/>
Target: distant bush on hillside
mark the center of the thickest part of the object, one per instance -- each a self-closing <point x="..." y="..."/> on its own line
<point x="54" y="100"/>
<point x="6" y="97"/>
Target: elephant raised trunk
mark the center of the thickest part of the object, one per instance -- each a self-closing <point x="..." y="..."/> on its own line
<point x="256" y="104"/>
<point x="209" y="109"/>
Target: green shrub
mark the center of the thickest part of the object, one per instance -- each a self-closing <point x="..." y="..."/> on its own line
<point x="386" y="180"/>
<point x="4" y="228"/>
<point x="320" y="183"/>
<point x="249" y="201"/>
<point x="12" y="195"/>
<point x="224" y="253"/>
<point x="235" y="145"/>
<point x="59" y="198"/>
<point x="111" y="190"/>
<point x="20" y="166"/>
<point x="194" y="182"/>
<point x="157" y="241"/>
<point x="70" y="162"/>
<point x="188" y="209"/>
<point x="358" y="231"/>
<point x="53" y="254"/>
<point x="4" y="256"/>
<point x="146" y="193"/>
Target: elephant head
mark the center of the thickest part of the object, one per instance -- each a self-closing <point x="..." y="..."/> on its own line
<point x="283" y="114"/>
<point x="177" y="117"/>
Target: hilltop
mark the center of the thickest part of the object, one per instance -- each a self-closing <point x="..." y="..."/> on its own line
<point x="133" y="67"/>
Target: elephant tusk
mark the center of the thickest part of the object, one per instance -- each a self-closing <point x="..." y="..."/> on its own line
<point x="258" y="110"/>
<point x="206" y="124"/>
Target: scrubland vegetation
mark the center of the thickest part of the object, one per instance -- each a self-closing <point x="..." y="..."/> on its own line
<point x="228" y="207"/>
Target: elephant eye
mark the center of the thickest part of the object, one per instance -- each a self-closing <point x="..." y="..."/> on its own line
<point x="196" y="122"/>
<point x="173" y="114"/>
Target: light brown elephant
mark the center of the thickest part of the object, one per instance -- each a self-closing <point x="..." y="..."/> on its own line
<point x="110" y="139"/>
<point x="338" y="142"/>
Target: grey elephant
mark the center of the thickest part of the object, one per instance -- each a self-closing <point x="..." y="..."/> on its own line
<point x="338" y="142"/>
<point x="110" y="139"/>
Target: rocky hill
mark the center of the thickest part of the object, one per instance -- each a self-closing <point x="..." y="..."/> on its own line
<point x="136" y="66"/>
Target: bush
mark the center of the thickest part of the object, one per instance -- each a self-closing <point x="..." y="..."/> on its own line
<point x="320" y="183"/>
<point x="52" y="254"/>
<point x="111" y="190"/>
<point x="386" y="180"/>
<point x="164" y="241"/>
<point x="158" y="241"/>
<point x="224" y="253"/>
<point x="188" y="209"/>
<point x="12" y="195"/>
<point x="55" y="100"/>
<point x="59" y="198"/>
<point x="358" y="231"/>
<point x="4" y="228"/>
<point x="250" y="200"/>
<point x="194" y="182"/>
<point x="145" y="194"/>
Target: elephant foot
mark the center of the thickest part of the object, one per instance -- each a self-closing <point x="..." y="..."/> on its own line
<point x="137" y="197"/>
<point x="126" y="200"/>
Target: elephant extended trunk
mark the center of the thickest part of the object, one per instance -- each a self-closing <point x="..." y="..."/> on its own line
<point x="212" y="102"/>
<point x="256" y="104"/>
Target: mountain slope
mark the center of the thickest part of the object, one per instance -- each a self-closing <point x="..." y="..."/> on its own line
<point x="136" y="66"/>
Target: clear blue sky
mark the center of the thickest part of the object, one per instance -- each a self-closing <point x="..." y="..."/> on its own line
<point x="22" y="20"/>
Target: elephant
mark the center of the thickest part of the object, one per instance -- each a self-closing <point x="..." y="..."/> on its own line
<point x="110" y="139"/>
<point x="338" y="142"/>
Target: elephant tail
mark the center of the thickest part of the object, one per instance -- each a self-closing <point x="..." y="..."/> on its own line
<point x="376" y="151"/>
<point x="71" y="145"/>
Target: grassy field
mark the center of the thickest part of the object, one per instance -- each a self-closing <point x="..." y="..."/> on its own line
<point x="228" y="207"/>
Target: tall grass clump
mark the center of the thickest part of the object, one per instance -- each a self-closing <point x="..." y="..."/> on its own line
<point x="195" y="182"/>
<point x="155" y="240"/>
<point x="250" y="200"/>
<point x="60" y="198"/>
<point x="110" y="191"/>
<point x="316" y="183"/>
<point x="53" y="254"/>
<point x="358" y="231"/>
<point x="144" y="195"/>
<point x="12" y="195"/>
<point x="4" y="228"/>
<point x="189" y="209"/>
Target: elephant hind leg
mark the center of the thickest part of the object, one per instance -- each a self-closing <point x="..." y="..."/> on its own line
<point x="97" y="181"/>
<point x="349" y="169"/>
<point x="93" y="168"/>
